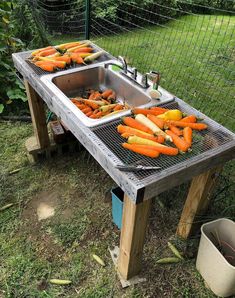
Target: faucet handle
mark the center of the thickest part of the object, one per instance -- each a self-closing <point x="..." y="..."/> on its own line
<point x="134" y="73"/>
<point x="144" y="81"/>
<point x="155" y="76"/>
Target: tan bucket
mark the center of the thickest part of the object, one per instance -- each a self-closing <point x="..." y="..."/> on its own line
<point x="217" y="272"/>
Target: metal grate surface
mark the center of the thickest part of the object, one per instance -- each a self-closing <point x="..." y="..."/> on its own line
<point x="26" y="55"/>
<point x="202" y="142"/>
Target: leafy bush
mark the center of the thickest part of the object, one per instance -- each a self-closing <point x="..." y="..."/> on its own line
<point x="18" y="31"/>
<point x="13" y="89"/>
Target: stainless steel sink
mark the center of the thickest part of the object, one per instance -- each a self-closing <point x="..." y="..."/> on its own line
<point x="74" y="82"/>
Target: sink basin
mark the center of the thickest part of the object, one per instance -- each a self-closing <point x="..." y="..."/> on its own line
<point x="74" y="82"/>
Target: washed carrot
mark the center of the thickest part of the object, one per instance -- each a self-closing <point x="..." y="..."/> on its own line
<point x="84" y="55"/>
<point x="118" y="107"/>
<point x="47" y="52"/>
<point x="163" y="110"/>
<point x="188" y="135"/>
<point x="112" y="96"/>
<point x="190" y="119"/>
<point x="179" y="143"/>
<point x="129" y="131"/>
<point x="159" y="147"/>
<point x="89" y="114"/>
<point x="91" y="104"/>
<point x="83" y="50"/>
<point x="196" y="126"/>
<point x="158" y="139"/>
<point x="59" y="64"/>
<point x="106" y="93"/>
<point x="141" y="150"/>
<point x="47" y="66"/>
<point x="76" y="58"/>
<point x="64" y="58"/>
<point x="145" y="112"/>
<point x="41" y="50"/>
<point x="96" y="116"/>
<point x="86" y="110"/>
<point x="80" y="106"/>
<point x="135" y="124"/>
<point x="176" y="130"/>
<point x="159" y="122"/>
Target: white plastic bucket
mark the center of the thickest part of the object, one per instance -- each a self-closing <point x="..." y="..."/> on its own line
<point x="218" y="273"/>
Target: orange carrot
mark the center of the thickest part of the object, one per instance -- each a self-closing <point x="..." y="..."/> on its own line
<point x="47" y="66"/>
<point x="179" y="143"/>
<point x="118" y="107"/>
<point x="93" y="105"/>
<point x="176" y="130"/>
<point x="146" y="111"/>
<point x="141" y="150"/>
<point x="96" y="116"/>
<point x="76" y="58"/>
<point x="188" y="135"/>
<point x="135" y="124"/>
<point x="159" y="122"/>
<point x="129" y="131"/>
<point x="196" y="126"/>
<point x="166" y="150"/>
<point x="64" y="58"/>
<point x="190" y="118"/>
<point x="47" y="52"/>
<point x="86" y="110"/>
<point x="106" y="93"/>
<point x="36" y="52"/>
<point x="89" y="114"/>
<point x="163" y="110"/>
<point x="83" y="50"/>
<point x="112" y="96"/>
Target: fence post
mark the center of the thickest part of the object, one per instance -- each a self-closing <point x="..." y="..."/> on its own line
<point x="87" y="19"/>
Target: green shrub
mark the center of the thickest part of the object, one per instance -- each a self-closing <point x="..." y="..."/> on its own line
<point x="18" y="31"/>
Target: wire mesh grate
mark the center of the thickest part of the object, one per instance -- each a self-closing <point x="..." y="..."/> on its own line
<point x="38" y="71"/>
<point x="203" y="141"/>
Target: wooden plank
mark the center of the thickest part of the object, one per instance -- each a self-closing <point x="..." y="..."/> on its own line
<point x="38" y="116"/>
<point x="134" y="223"/>
<point x="197" y="201"/>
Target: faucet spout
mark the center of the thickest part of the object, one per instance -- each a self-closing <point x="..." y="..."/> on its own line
<point x="124" y="64"/>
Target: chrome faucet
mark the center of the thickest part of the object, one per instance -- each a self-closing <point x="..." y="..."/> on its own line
<point x="131" y="74"/>
<point x="123" y="65"/>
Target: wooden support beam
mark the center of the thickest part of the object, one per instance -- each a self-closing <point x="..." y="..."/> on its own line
<point x="197" y="201"/>
<point x="38" y="117"/>
<point x="134" y="223"/>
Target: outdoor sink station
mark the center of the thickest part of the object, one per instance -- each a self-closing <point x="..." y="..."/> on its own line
<point x="214" y="147"/>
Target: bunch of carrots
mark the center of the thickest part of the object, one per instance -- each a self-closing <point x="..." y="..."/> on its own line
<point x="60" y="56"/>
<point x="147" y="132"/>
<point x="99" y="104"/>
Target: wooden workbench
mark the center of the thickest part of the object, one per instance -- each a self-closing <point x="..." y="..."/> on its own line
<point x="135" y="214"/>
<point x="201" y="168"/>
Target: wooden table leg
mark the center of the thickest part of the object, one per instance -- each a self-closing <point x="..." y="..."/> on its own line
<point x="197" y="201"/>
<point x="38" y="117"/>
<point x="134" y="223"/>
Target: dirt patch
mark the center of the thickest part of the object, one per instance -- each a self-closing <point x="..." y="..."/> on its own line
<point x="40" y="208"/>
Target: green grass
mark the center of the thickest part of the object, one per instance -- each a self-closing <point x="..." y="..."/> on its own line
<point x="194" y="54"/>
<point x="32" y="252"/>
